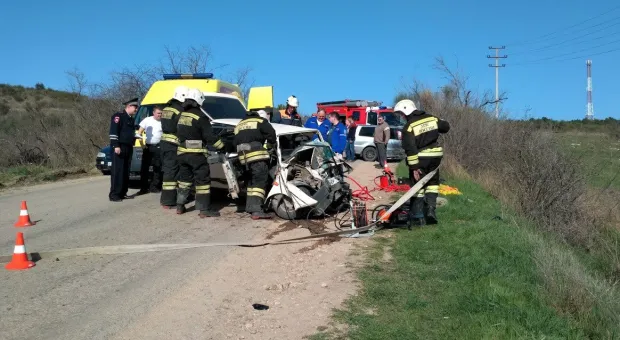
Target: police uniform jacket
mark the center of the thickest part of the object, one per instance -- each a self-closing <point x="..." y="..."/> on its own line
<point x="194" y="125"/>
<point x="258" y="133"/>
<point x="169" y="119"/>
<point x="420" y="135"/>
<point x="121" y="130"/>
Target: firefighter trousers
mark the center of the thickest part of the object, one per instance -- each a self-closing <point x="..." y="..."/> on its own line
<point x="194" y="169"/>
<point x="151" y="156"/>
<point x="119" y="176"/>
<point x="170" y="169"/>
<point x="256" y="176"/>
<point x="427" y="196"/>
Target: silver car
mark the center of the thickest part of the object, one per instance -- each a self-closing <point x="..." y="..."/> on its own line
<point x="365" y="146"/>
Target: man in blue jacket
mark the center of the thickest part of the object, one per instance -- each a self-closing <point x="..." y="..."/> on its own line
<point x="337" y="134"/>
<point x="318" y="122"/>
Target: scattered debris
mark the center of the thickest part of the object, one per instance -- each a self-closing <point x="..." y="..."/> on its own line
<point x="260" y="306"/>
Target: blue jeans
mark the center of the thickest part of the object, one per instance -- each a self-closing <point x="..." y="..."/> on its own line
<point x="350" y="151"/>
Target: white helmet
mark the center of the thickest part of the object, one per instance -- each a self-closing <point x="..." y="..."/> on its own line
<point x="292" y="101"/>
<point x="196" y="95"/>
<point x="405" y="106"/>
<point x="263" y="114"/>
<point x="180" y="93"/>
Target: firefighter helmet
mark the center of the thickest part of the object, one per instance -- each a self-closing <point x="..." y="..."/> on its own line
<point x="263" y="114"/>
<point x="405" y="106"/>
<point x="180" y="93"/>
<point x="196" y="95"/>
<point x="292" y="101"/>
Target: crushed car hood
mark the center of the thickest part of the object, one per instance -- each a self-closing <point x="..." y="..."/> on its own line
<point x="281" y="129"/>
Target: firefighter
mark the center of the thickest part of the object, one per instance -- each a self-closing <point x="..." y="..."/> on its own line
<point x="195" y="133"/>
<point x="169" y="143"/>
<point x="122" y="139"/>
<point x="424" y="154"/>
<point x="290" y="115"/>
<point x="254" y="136"/>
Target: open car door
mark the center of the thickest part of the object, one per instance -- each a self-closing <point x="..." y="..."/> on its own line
<point x="260" y="97"/>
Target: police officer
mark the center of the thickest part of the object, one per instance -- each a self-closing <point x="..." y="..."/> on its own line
<point x="169" y="143"/>
<point x="424" y="155"/>
<point x="122" y="139"/>
<point x="195" y="133"/>
<point x="254" y="135"/>
<point x="290" y="115"/>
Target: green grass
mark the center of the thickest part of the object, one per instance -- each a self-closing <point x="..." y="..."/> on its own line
<point x="30" y="174"/>
<point x="477" y="275"/>
<point x="598" y="154"/>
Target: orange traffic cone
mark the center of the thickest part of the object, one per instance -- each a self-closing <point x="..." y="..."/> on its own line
<point x="20" y="257"/>
<point x="24" y="218"/>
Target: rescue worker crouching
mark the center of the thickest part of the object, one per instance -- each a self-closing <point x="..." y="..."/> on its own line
<point x="254" y="136"/>
<point x="424" y="154"/>
<point x="194" y="132"/>
<point x="169" y="143"/>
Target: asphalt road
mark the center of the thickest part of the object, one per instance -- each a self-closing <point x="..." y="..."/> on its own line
<point x="94" y="297"/>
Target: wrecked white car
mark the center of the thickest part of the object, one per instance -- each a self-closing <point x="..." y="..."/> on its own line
<point x="306" y="177"/>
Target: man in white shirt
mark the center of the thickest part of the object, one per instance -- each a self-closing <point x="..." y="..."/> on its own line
<point x="151" y="152"/>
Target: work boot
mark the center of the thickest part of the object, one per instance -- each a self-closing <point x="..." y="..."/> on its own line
<point x="259" y="215"/>
<point x="181" y="209"/>
<point x="431" y="218"/>
<point x="416" y="222"/>
<point x="209" y="213"/>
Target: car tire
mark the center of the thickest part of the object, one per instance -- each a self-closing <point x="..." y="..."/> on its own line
<point x="105" y="172"/>
<point x="369" y="154"/>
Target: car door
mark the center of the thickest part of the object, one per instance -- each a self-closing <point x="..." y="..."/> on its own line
<point x="260" y="97"/>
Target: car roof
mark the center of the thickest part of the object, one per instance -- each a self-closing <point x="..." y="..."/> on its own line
<point x="281" y="129"/>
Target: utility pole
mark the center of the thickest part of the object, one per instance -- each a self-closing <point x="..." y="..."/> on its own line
<point x="590" y="106"/>
<point x="497" y="66"/>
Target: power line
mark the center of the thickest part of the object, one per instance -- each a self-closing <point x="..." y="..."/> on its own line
<point x="580" y="57"/>
<point x="573" y="39"/>
<point x="566" y="54"/>
<point x="565" y="28"/>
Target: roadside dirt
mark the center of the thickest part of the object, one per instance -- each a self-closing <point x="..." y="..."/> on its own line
<point x="301" y="283"/>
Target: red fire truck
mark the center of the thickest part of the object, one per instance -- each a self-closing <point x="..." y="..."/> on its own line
<point x="363" y="112"/>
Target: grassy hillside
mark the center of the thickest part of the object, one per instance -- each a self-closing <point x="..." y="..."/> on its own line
<point x="482" y="273"/>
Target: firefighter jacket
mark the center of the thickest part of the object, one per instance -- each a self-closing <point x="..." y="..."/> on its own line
<point x="337" y="137"/>
<point x="169" y="119"/>
<point x="122" y="130"/>
<point x="195" y="133"/>
<point x="253" y="136"/>
<point x="420" y="135"/>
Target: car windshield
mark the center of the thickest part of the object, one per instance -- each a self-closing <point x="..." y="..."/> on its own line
<point x="391" y="118"/>
<point x="222" y="107"/>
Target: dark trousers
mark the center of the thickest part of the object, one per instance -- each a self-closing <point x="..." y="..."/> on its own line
<point x="194" y="169"/>
<point x="350" y="150"/>
<point x="429" y="192"/>
<point x="256" y="177"/>
<point x="119" y="177"/>
<point x="381" y="153"/>
<point x="170" y="169"/>
<point x="151" y="155"/>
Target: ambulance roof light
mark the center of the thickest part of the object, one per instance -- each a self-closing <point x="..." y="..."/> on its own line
<point x="170" y="76"/>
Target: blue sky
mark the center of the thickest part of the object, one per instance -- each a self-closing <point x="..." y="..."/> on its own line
<point x="328" y="50"/>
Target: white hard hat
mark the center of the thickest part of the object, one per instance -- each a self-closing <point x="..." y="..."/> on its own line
<point x="180" y="93"/>
<point x="292" y="101"/>
<point x="263" y="114"/>
<point x="406" y="106"/>
<point x="196" y="95"/>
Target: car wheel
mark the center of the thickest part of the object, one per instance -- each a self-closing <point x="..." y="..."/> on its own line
<point x="105" y="172"/>
<point x="369" y="154"/>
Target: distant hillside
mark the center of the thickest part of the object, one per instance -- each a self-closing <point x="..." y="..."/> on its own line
<point x="608" y="125"/>
<point x="14" y="98"/>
